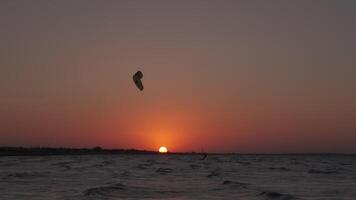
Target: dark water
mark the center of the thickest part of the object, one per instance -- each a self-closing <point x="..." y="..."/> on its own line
<point x="178" y="177"/>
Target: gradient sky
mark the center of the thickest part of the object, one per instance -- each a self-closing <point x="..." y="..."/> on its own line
<point x="225" y="76"/>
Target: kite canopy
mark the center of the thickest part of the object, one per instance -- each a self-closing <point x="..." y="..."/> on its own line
<point x="137" y="79"/>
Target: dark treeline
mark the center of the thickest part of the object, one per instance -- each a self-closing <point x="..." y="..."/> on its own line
<point x="43" y="151"/>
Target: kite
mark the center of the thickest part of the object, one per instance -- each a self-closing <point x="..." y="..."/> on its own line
<point x="137" y="79"/>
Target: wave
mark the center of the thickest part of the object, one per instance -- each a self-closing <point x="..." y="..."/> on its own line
<point x="24" y="175"/>
<point x="104" y="163"/>
<point x="126" y="173"/>
<point x="276" y="195"/>
<point x="243" y="163"/>
<point x="9" y="164"/>
<point x="213" y="173"/>
<point x="315" y="171"/>
<point x="195" y="166"/>
<point x="144" y="166"/>
<point x="108" y="162"/>
<point x="164" y="170"/>
<point x="280" y="168"/>
<point x="346" y="164"/>
<point x="235" y="184"/>
<point x="65" y="165"/>
<point x="294" y="162"/>
<point x="119" y="191"/>
<point x="104" y="190"/>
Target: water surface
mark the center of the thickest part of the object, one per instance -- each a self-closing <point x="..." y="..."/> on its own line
<point x="178" y="177"/>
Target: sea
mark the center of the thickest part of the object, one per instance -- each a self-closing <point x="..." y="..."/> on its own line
<point x="178" y="177"/>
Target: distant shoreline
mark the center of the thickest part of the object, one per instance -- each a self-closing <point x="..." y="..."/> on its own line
<point x="48" y="151"/>
<point x="51" y="151"/>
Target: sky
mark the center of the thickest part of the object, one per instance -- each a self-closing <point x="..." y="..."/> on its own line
<point x="219" y="76"/>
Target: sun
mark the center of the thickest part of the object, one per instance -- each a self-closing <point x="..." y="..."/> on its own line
<point x="163" y="149"/>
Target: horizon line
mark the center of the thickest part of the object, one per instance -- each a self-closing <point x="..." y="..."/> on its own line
<point x="107" y="150"/>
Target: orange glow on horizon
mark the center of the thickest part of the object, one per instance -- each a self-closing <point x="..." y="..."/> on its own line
<point x="171" y="127"/>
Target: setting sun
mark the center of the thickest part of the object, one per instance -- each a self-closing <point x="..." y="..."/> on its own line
<point x="163" y="150"/>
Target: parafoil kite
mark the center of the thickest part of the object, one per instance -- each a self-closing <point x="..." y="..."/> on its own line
<point x="137" y="79"/>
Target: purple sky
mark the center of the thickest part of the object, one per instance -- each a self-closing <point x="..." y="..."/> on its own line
<point x="226" y="76"/>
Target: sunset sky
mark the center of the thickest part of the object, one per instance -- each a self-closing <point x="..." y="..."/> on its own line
<point x="223" y="76"/>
